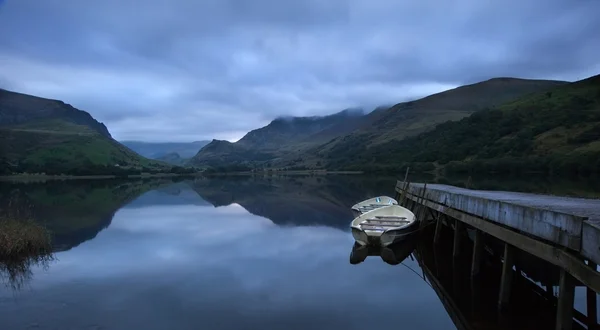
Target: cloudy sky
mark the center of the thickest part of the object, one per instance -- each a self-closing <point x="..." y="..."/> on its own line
<point x="184" y="70"/>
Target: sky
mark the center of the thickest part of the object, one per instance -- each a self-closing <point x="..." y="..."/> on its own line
<point x="186" y="70"/>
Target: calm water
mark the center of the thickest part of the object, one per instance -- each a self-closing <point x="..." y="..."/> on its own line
<point x="237" y="253"/>
<point x="222" y="254"/>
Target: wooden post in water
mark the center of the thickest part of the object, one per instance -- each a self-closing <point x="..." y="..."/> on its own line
<point x="566" y="298"/>
<point x="507" y="274"/>
<point x="592" y="315"/>
<point x="458" y="225"/>
<point x="406" y="174"/>
<point x="404" y="188"/>
<point x="421" y="214"/>
<point x="438" y="228"/>
<point x="477" y="253"/>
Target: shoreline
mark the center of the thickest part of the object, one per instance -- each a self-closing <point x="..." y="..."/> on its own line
<point x="43" y="177"/>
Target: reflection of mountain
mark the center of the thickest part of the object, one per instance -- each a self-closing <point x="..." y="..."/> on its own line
<point x="295" y="200"/>
<point x="174" y="194"/>
<point x="75" y="210"/>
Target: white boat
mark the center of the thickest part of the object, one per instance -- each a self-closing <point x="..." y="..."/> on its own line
<point x="383" y="226"/>
<point x="372" y="204"/>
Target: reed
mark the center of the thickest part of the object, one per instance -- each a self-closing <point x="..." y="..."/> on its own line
<point x="22" y="238"/>
<point x="23" y="244"/>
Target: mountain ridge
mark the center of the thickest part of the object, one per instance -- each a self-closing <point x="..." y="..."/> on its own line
<point x="310" y="147"/>
<point x="280" y="137"/>
<point x="19" y="108"/>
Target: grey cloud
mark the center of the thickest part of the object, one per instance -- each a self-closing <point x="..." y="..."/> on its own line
<point x="203" y="69"/>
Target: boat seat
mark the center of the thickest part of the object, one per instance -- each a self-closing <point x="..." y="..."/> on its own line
<point x="390" y="217"/>
<point x="385" y="222"/>
<point x="381" y="225"/>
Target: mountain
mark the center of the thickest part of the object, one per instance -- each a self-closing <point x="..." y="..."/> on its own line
<point x="331" y="141"/>
<point x="301" y="130"/>
<point x="283" y="136"/>
<point x="156" y="150"/>
<point x="414" y="117"/>
<point x="172" y="158"/>
<point x="42" y="135"/>
<point x="556" y="131"/>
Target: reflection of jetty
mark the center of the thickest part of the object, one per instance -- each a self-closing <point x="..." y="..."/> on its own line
<point x="564" y="232"/>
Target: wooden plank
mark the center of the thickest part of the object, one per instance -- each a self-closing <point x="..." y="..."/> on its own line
<point x="566" y="298"/>
<point x="555" y="255"/>
<point x="560" y="228"/>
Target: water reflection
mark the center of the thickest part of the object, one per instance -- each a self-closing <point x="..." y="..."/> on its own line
<point x="393" y="254"/>
<point x="248" y="252"/>
<point x="169" y="260"/>
<point x="16" y="273"/>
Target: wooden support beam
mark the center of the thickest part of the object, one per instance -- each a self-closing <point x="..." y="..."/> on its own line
<point x="507" y="275"/>
<point x="438" y="230"/>
<point x="477" y="253"/>
<point x="566" y="298"/>
<point x="554" y="255"/>
<point x="592" y="315"/>
<point x="457" y="231"/>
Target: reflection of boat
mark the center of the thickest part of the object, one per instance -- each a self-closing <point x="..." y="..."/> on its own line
<point x="396" y="253"/>
<point x="372" y="204"/>
<point x="383" y="226"/>
<point x="392" y="254"/>
<point x="361" y="252"/>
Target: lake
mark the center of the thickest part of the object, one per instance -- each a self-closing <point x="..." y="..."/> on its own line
<point x="221" y="253"/>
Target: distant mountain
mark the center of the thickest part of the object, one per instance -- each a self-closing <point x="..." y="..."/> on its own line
<point x="286" y="131"/>
<point x="156" y="150"/>
<point x="343" y="138"/>
<point x="555" y="131"/>
<point x="173" y="158"/>
<point x="281" y="137"/>
<point x="40" y="135"/>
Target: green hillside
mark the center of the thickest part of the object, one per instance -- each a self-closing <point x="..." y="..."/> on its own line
<point x="48" y="136"/>
<point x="555" y="131"/>
<point x="411" y="118"/>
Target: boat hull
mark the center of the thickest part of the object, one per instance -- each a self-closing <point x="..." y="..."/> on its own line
<point x="398" y="235"/>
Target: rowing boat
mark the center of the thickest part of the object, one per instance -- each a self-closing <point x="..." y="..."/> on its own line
<point x="372" y="204"/>
<point x="383" y="226"/>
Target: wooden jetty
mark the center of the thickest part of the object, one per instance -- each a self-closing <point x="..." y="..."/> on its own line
<point x="562" y="231"/>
